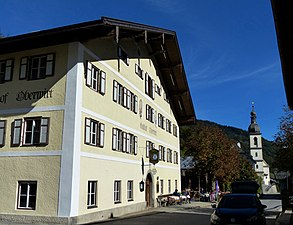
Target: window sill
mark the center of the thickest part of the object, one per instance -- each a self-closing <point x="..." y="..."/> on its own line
<point x="92" y="207"/>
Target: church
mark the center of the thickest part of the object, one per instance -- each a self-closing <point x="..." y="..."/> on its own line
<point x="261" y="167"/>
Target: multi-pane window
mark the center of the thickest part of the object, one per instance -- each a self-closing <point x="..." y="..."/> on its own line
<point x="162" y="186"/>
<point x="158" y="90"/>
<point x="124" y="97"/>
<point x="117" y="191"/>
<point x="168" y="126"/>
<point x="149" y="86"/>
<point x="37" y="67"/>
<point x="150" y="113"/>
<point x="92" y="194"/>
<point x="176" y="184"/>
<point x="30" y="131"/>
<point x="149" y="146"/>
<point x="161" y="121"/>
<point x="169" y="186"/>
<point x="2" y="132"/>
<point x="95" y="78"/>
<point x="94" y="132"/>
<point x="123" y="141"/>
<point x="130" y="190"/>
<point x="169" y="155"/>
<point x="6" y="70"/>
<point x="139" y="71"/>
<point x="175" y="130"/>
<point x="175" y="157"/>
<point x="161" y="152"/>
<point x="27" y="192"/>
<point x="123" y="56"/>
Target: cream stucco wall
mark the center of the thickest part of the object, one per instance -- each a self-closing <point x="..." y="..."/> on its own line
<point x="43" y="169"/>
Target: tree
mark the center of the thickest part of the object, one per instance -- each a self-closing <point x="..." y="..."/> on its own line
<point x="214" y="153"/>
<point x="284" y="142"/>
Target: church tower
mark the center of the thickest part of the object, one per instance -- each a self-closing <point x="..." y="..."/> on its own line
<point x="255" y="144"/>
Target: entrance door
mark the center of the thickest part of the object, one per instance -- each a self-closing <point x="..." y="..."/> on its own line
<point x="148" y="190"/>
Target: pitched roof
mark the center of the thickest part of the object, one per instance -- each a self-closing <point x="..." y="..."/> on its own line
<point x="283" y="16"/>
<point x="162" y="45"/>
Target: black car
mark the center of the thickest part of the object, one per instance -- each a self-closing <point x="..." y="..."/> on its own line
<point x="239" y="209"/>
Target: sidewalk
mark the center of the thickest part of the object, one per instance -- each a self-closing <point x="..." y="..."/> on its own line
<point x="285" y="218"/>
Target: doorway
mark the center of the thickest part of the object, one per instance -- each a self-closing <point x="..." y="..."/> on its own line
<point x="149" y="191"/>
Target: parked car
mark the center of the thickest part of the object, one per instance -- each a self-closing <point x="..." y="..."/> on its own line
<point x="239" y="209"/>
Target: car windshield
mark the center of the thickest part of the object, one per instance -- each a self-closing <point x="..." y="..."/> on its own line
<point x="238" y="202"/>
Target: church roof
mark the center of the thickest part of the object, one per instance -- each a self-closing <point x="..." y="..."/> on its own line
<point x="253" y="127"/>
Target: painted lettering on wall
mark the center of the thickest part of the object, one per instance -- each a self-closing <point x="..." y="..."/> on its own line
<point x="27" y="95"/>
<point x="34" y="95"/>
<point x="3" y="98"/>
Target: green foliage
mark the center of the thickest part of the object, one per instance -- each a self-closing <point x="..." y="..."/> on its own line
<point x="242" y="136"/>
<point x="284" y="142"/>
<point x="215" y="153"/>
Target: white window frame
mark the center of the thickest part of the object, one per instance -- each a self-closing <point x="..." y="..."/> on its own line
<point x="28" y="195"/>
<point x="117" y="191"/>
<point x="6" y="70"/>
<point x="92" y="194"/>
<point x="39" y="125"/>
<point x="2" y="132"/>
<point x="95" y="78"/>
<point x="94" y="132"/>
<point x="42" y="71"/>
<point x="130" y="190"/>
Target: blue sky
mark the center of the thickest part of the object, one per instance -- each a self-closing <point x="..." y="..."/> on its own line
<point x="229" y="48"/>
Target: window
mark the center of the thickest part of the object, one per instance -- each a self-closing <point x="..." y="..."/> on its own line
<point x="149" y="86"/>
<point x="94" y="132"/>
<point x="95" y="78"/>
<point x="2" y="132"/>
<point x="123" y="141"/>
<point x="157" y="186"/>
<point x="168" y="125"/>
<point x="175" y="130"/>
<point x="161" y="121"/>
<point x="176" y="184"/>
<point x="169" y="155"/>
<point x="162" y="186"/>
<point x="27" y="192"/>
<point x="161" y="152"/>
<point x="255" y="141"/>
<point x="175" y="157"/>
<point x="37" y="67"/>
<point x="35" y="131"/>
<point x="256" y="166"/>
<point x="158" y="89"/>
<point x="125" y="97"/>
<point x="123" y="56"/>
<point x="149" y="146"/>
<point x="139" y="71"/>
<point x="6" y="70"/>
<point x="130" y="190"/>
<point x="169" y="186"/>
<point x="117" y="191"/>
<point x="92" y="194"/>
<point x="256" y="155"/>
<point x="150" y="113"/>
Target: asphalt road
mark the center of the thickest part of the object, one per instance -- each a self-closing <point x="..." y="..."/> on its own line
<point x="168" y="218"/>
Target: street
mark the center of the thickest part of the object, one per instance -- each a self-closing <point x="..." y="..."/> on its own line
<point x="186" y="217"/>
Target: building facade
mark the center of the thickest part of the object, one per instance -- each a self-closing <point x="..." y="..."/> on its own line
<point x="81" y="107"/>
